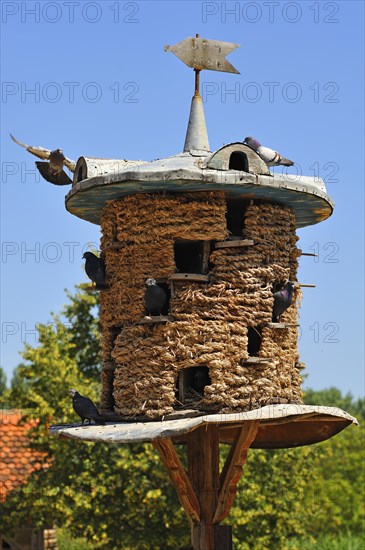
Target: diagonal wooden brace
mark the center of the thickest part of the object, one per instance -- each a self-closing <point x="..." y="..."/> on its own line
<point x="178" y="477"/>
<point x="232" y="471"/>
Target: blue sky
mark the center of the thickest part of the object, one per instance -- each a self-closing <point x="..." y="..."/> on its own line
<point x="93" y="78"/>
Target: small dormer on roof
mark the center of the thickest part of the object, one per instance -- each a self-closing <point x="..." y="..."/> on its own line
<point x="237" y="156"/>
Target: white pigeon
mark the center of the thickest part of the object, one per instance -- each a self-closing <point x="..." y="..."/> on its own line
<point x="271" y="157"/>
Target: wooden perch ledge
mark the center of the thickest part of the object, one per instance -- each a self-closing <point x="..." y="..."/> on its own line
<point x="258" y="360"/>
<point x="155" y="319"/>
<point x="234" y="244"/>
<point x="281" y="325"/>
<point x="189" y="277"/>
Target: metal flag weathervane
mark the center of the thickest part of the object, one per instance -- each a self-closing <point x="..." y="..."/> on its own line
<point x="199" y="54"/>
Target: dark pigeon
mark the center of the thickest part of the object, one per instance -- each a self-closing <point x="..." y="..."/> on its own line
<point x="85" y="408"/>
<point x="155" y="298"/>
<point x="95" y="270"/>
<point x="282" y="300"/>
<point x="52" y="171"/>
<point x="269" y="156"/>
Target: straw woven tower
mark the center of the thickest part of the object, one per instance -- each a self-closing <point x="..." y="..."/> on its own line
<point x="217" y="231"/>
<point x="220" y="324"/>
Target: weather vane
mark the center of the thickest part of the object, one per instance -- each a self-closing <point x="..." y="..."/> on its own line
<point x="200" y="53"/>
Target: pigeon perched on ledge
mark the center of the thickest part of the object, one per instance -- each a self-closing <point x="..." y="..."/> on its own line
<point x="52" y="171"/>
<point x="282" y="300"/>
<point x="155" y="297"/>
<point x="95" y="270"/>
<point x="85" y="408"/>
<point x="269" y="156"/>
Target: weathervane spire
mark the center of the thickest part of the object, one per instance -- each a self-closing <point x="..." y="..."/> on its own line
<point x="200" y="54"/>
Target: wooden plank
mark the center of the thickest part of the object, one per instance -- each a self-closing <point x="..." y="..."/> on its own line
<point x="183" y="413"/>
<point x="198" y="278"/>
<point x="302" y="285"/>
<point x="205" y="256"/>
<point x="258" y="360"/>
<point x="178" y="477"/>
<point x="181" y="386"/>
<point x="203" y="467"/>
<point x="223" y="537"/>
<point x="155" y="319"/>
<point x="281" y="325"/>
<point x="234" y="244"/>
<point x="232" y="470"/>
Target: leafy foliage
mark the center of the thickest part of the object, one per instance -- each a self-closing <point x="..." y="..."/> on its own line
<point x="83" y="325"/>
<point x="119" y="497"/>
<point x="106" y="493"/>
<point x="2" y="381"/>
<point x="346" y="541"/>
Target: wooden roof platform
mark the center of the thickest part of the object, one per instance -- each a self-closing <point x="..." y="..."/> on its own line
<point x="191" y="172"/>
<point x="280" y="426"/>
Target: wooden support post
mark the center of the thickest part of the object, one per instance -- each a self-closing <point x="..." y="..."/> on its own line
<point x="205" y="495"/>
<point x="203" y="467"/>
<point x="178" y="477"/>
<point x="232" y="471"/>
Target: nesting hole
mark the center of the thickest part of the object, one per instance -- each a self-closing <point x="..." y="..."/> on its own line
<point x="238" y="161"/>
<point x="254" y="335"/>
<point x="192" y="256"/>
<point x="80" y="175"/>
<point x="235" y="216"/>
<point x="191" y="383"/>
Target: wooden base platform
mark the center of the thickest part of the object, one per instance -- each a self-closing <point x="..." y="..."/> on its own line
<point x="205" y="492"/>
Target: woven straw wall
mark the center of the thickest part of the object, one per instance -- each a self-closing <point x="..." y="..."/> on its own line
<point x="210" y="320"/>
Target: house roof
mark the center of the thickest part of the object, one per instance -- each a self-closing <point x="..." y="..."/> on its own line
<point x="17" y="459"/>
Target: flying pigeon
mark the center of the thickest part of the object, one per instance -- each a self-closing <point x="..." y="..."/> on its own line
<point x="282" y="300"/>
<point x="271" y="157"/>
<point x="95" y="270"/>
<point x="155" y="297"/>
<point x="52" y="171"/>
<point x="85" y="408"/>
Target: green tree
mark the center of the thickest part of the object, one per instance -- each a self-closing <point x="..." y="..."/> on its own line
<point x="308" y="492"/>
<point x="332" y="397"/>
<point x="116" y="496"/>
<point x="81" y="317"/>
<point x="2" y="381"/>
<point x="336" y="499"/>
<point x="120" y="497"/>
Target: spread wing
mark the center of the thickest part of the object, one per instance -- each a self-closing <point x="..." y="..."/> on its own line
<point x="61" y="178"/>
<point x="44" y="154"/>
<point x="39" y="152"/>
<point x="71" y="164"/>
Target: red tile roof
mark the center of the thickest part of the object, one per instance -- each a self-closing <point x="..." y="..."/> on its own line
<point x="17" y="459"/>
